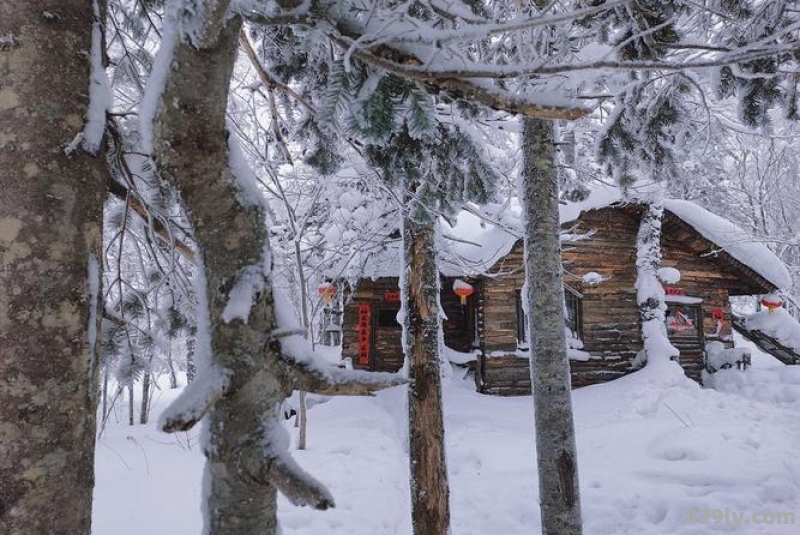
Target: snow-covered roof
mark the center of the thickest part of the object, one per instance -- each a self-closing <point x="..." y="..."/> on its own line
<point x="733" y="240"/>
<point x="474" y="243"/>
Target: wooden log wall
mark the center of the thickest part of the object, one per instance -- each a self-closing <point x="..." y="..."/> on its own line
<point x="386" y="347"/>
<point x="611" y="330"/>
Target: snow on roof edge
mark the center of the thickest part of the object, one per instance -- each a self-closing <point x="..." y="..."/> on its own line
<point x="733" y="240"/>
<point x="478" y="245"/>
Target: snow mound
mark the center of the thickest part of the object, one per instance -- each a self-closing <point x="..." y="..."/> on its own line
<point x="778" y="324"/>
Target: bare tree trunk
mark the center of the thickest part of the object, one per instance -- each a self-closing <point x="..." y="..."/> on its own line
<point x="559" y="493"/>
<point x="250" y="375"/>
<point x="173" y="377"/>
<point x="50" y="229"/>
<point x="105" y="394"/>
<point x="131" y="419"/>
<point x="302" y="419"/>
<point x="302" y="410"/>
<point x="430" y="494"/>
<point x="145" y="405"/>
<point x="191" y="344"/>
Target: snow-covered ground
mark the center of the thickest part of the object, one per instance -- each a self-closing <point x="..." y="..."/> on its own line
<point x="652" y="447"/>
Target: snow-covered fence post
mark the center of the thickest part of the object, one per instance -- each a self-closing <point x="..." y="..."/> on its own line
<point x="649" y="292"/>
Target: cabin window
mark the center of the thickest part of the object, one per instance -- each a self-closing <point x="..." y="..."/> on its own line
<point x="522" y="323"/>
<point x="387" y="317"/>
<point x="572" y="310"/>
<point x="683" y="320"/>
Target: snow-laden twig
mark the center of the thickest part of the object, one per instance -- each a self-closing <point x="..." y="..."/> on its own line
<point x="195" y="401"/>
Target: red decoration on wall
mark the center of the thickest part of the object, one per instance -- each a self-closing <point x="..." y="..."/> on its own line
<point x="364" y="330"/>
<point x="391" y="296"/>
<point x="674" y="291"/>
<point x="717" y="314"/>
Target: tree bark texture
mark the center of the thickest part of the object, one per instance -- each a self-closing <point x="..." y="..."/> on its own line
<point x="246" y="450"/>
<point x="190" y="146"/>
<point x="559" y="493"/>
<point x="50" y="228"/>
<point x="430" y="494"/>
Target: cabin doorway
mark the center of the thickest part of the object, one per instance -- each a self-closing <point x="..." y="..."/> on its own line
<point x="387" y="334"/>
<point x="685" y="332"/>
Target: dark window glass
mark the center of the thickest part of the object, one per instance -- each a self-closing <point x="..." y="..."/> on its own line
<point x="572" y="303"/>
<point x="387" y="317"/>
<point x="522" y="323"/>
<point x="573" y="311"/>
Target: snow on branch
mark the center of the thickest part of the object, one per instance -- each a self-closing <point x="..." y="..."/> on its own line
<point x="328" y="380"/>
<point x="195" y="401"/>
<point x="456" y="84"/>
<point x="310" y="373"/>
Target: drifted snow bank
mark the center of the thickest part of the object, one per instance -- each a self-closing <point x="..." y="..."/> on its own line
<point x="779" y="325"/>
<point x="650" y="446"/>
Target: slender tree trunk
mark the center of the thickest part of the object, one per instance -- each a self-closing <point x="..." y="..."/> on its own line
<point x="131" y="415"/>
<point x="144" y="407"/>
<point x="302" y="410"/>
<point x="430" y="509"/>
<point x="302" y="418"/>
<point x="191" y="343"/>
<point x="105" y="394"/>
<point x="559" y="493"/>
<point x="50" y="229"/>
<point x="173" y="377"/>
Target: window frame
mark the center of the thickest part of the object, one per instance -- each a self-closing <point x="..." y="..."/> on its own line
<point x="573" y="308"/>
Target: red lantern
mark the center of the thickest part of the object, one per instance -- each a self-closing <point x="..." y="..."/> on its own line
<point x="463" y="290"/>
<point x="771" y="302"/>
<point x="326" y="291"/>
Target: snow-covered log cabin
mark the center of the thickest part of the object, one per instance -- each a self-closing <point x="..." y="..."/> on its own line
<point x="486" y="328"/>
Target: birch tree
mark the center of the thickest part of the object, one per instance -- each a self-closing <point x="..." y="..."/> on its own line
<point x="52" y="182"/>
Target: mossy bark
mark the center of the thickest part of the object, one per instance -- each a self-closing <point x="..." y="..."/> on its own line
<point x="50" y="230"/>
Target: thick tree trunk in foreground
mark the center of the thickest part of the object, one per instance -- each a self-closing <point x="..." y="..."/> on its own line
<point x="250" y="375"/>
<point x="559" y="493"/>
<point x="50" y="228"/>
<point x="191" y="149"/>
<point x="430" y="494"/>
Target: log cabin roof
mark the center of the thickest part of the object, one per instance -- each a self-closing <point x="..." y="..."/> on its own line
<point x="476" y="240"/>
